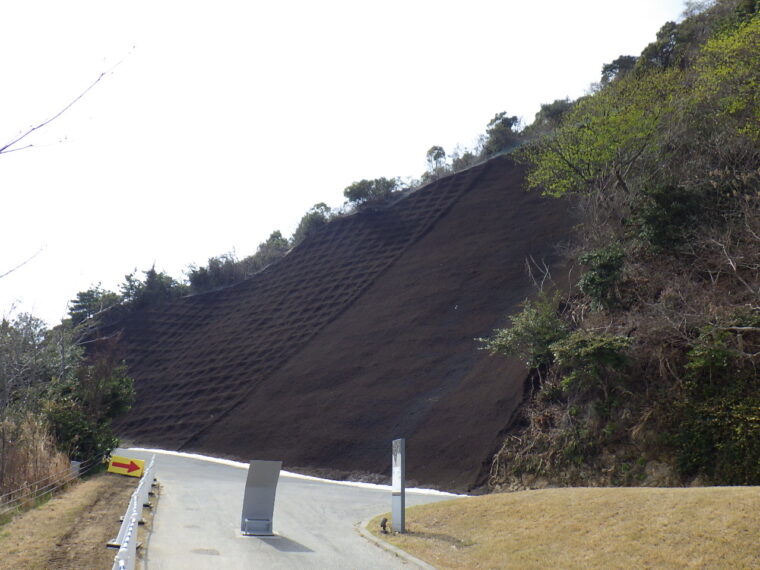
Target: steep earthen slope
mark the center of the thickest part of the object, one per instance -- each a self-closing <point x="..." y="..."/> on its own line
<point x="363" y="333"/>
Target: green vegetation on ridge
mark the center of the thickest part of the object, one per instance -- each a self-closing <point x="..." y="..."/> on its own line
<point x="652" y="358"/>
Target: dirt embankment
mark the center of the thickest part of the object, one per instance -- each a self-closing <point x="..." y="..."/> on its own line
<point x="363" y="333"/>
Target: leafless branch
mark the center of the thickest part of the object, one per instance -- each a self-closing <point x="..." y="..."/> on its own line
<point x="543" y="269"/>
<point x="20" y="265"/>
<point x="7" y="148"/>
<point x="734" y="266"/>
<point x="731" y="262"/>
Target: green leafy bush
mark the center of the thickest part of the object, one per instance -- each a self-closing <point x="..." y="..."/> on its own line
<point x="728" y="75"/>
<point x="668" y="215"/>
<point x="80" y="409"/>
<point x="579" y="445"/>
<point x="715" y="428"/>
<point x="371" y="192"/>
<point x="532" y="332"/>
<point x="605" y="269"/>
<point x="311" y="222"/>
<point x="719" y="438"/>
<point x="591" y="362"/>
<point x="501" y="133"/>
<point x="606" y="139"/>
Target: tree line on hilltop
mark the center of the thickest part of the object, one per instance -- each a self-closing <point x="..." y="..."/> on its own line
<point x="156" y="287"/>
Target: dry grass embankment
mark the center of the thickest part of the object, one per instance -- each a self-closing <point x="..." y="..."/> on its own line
<point x="708" y="527"/>
<point x="71" y="530"/>
<point x="29" y="460"/>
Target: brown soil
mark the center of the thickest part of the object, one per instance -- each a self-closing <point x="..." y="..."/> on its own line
<point x="363" y="333"/>
<point x="71" y="530"/>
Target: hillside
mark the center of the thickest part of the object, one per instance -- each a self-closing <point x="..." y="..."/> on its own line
<point x="363" y="333"/>
<point x="648" y="372"/>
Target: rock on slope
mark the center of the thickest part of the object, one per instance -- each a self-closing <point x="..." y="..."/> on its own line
<point x="363" y="333"/>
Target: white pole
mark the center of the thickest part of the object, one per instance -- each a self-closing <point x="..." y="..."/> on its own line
<point x="398" y="499"/>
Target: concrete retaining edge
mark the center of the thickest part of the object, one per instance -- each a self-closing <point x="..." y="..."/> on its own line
<point x="404" y="555"/>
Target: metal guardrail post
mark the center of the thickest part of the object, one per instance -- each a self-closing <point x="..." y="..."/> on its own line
<point x="126" y="540"/>
<point x="124" y="528"/>
<point x="126" y="557"/>
<point x="143" y="489"/>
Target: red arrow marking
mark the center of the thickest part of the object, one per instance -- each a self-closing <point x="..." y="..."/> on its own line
<point x="132" y="466"/>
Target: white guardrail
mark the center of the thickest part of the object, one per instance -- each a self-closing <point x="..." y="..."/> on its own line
<point x="126" y="540"/>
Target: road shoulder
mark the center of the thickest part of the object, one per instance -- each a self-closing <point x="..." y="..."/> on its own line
<point x="72" y="529"/>
<point x="363" y="529"/>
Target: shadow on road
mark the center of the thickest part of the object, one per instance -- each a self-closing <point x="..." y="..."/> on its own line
<point x="283" y="544"/>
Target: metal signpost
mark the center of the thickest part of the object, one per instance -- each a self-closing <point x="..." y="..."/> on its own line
<point x="398" y="485"/>
<point x="258" y="501"/>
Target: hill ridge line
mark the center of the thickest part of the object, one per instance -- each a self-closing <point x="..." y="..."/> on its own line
<point x="481" y="168"/>
<point x="193" y="312"/>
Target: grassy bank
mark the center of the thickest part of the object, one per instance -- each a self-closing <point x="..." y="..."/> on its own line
<point x="711" y="527"/>
<point x="71" y="530"/>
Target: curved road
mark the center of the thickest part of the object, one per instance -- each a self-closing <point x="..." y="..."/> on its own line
<point x="197" y="520"/>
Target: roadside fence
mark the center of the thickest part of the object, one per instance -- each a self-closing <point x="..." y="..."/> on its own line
<point x="126" y="540"/>
<point x="17" y="499"/>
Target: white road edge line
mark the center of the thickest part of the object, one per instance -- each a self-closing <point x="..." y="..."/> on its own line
<point x="241" y="465"/>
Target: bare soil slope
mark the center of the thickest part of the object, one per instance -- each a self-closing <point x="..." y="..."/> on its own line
<point x="361" y="334"/>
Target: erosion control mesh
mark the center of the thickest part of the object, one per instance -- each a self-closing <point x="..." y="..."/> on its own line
<point x="362" y="333"/>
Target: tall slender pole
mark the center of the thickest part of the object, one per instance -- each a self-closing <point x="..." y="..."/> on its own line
<point x="398" y="500"/>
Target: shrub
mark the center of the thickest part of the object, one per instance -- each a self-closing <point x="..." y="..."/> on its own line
<point x="311" y="222"/>
<point x="371" y="192"/>
<point x="76" y="433"/>
<point x="592" y="362"/>
<point x="80" y="410"/>
<point x="532" y="332"/>
<point x="667" y="216"/>
<point x="600" y="282"/>
<point x="501" y="133"/>
<point x="715" y="427"/>
<point x="720" y="438"/>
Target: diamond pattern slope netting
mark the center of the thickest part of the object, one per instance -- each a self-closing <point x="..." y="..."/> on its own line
<point x="202" y="354"/>
<point x="363" y="333"/>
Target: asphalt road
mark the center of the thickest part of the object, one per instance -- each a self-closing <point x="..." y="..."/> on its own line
<point x="197" y="521"/>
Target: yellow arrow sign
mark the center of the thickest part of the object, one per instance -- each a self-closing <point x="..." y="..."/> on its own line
<point x="126" y="466"/>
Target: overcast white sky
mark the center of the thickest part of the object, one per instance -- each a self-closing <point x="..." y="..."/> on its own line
<point x="219" y="122"/>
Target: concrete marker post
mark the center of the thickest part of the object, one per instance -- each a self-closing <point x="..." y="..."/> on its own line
<point x="398" y="486"/>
